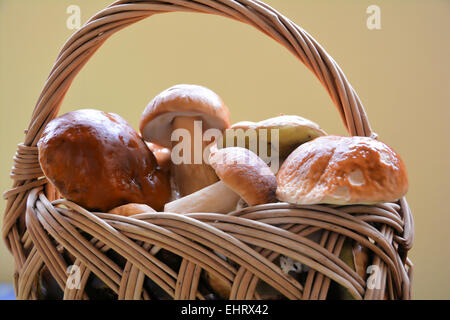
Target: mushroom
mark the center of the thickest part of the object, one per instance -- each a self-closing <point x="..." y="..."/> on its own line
<point x="220" y="287"/>
<point x="131" y="209"/>
<point x="291" y="131"/>
<point x="342" y="170"/>
<point x="161" y="154"/>
<point x="216" y="198"/>
<point x="246" y="174"/>
<point x="357" y="258"/>
<point x="99" y="161"/>
<point x="163" y="158"/>
<point x="243" y="175"/>
<point x="192" y="108"/>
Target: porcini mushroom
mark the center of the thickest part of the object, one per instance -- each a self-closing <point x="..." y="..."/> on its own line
<point x="357" y="258"/>
<point x="289" y="130"/>
<point x="162" y="155"/>
<point x="99" y="161"/>
<point x="243" y="175"/>
<point x="192" y="108"/>
<point x="246" y="174"/>
<point x="342" y="171"/>
<point x="293" y="131"/>
<point x="131" y="209"/>
<point x="216" y="198"/>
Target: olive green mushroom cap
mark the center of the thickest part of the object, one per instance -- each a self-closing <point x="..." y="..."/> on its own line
<point x="292" y="131"/>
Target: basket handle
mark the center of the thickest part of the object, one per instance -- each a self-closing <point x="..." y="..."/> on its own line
<point x="86" y="41"/>
<point x="83" y="44"/>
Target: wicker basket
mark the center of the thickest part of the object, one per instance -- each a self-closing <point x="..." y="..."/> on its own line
<point x="40" y="229"/>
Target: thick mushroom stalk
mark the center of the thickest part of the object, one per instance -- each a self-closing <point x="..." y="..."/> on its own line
<point x="216" y="198"/>
<point x="194" y="109"/>
<point x="243" y="175"/>
<point x="193" y="173"/>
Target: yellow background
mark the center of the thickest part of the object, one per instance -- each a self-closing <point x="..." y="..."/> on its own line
<point x="401" y="73"/>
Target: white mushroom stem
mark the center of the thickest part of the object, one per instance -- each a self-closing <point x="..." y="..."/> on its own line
<point x="191" y="177"/>
<point x="216" y="198"/>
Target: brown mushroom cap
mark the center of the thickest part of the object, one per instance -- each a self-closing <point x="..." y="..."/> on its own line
<point x="182" y="100"/>
<point x="245" y="173"/>
<point x="99" y="161"/>
<point x="342" y="170"/>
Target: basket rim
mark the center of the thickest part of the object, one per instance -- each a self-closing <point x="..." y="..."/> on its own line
<point x="259" y="225"/>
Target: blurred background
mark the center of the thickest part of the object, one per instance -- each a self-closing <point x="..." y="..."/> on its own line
<point x="401" y="73"/>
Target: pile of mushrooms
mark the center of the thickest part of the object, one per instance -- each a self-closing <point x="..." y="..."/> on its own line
<point x="203" y="184"/>
<point x="286" y="158"/>
<point x="194" y="160"/>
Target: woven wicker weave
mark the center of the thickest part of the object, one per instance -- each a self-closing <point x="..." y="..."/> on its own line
<point x="39" y="227"/>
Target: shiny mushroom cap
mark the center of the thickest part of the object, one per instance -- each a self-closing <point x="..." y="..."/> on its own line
<point x="342" y="170"/>
<point x="99" y="161"/>
<point x="245" y="173"/>
<point x="186" y="101"/>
